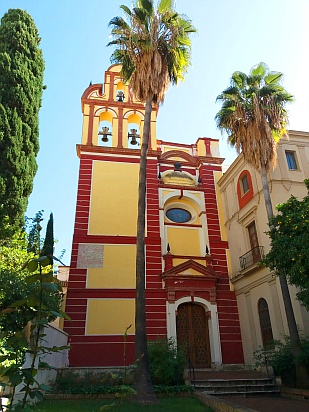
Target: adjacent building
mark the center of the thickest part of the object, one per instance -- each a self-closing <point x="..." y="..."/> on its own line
<point x="259" y="298"/>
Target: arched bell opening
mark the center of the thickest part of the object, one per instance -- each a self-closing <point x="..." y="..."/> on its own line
<point x="105" y="132"/>
<point x="134" y="131"/>
<point x="120" y="91"/>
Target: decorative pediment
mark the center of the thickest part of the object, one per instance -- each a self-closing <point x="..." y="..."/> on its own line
<point x="190" y="279"/>
<point x="189" y="270"/>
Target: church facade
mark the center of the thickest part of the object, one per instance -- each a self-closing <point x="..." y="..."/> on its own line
<point x="188" y="293"/>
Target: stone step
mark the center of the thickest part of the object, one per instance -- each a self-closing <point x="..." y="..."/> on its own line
<point x="237" y="388"/>
<point x="247" y="386"/>
<point x="231" y="382"/>
<point x="274" y="392"/>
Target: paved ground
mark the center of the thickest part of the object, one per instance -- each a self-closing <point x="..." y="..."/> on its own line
<point x="270" y="404"/>
<point x="251" y="403"/>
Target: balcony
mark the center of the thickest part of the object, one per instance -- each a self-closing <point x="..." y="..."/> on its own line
<point x="250" y="258"/>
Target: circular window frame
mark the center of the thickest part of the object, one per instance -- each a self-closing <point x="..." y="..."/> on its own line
<point x="182" y="221"/>
<point x="187" y="208"/>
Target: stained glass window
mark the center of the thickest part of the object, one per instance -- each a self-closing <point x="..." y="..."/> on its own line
<point x="178" y="215"/>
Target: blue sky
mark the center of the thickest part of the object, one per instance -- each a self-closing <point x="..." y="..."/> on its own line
<point x="232" y="35"/>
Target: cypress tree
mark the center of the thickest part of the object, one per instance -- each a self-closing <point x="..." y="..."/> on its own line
<point x="48" y="246"/>
<point x="21" y="85"/>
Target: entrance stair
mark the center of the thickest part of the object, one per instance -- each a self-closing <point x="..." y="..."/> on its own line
<point x="237" y="382"/>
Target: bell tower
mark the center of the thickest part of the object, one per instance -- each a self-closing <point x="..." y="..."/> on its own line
<point x="112" y="117"/>
<point x="101" y="295"/>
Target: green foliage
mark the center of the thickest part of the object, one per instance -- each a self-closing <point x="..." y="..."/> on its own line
<point x="21" y="82"/>
<point x="173" y="390"/>
<point x="289" y="252"/>
<point x="26" y="319"/>
<point x="153" y="46"/>
<point x="17" y="284"/>
<point x="253" y="114"/>
<point x="30" y="299"/>
<point x="166" y="362"/>
<point x="71" y="382"/>
<point x="170" y="404"/>
<point x="48" y="246"/>
<point x="106" y="383"/>
<point x="34" y="232"/>
<point x="280" y="356"/>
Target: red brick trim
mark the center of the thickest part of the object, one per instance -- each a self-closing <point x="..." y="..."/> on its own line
<point x="244" y="199"/>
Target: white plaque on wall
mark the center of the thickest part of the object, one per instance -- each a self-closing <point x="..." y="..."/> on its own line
<point x="90" y="256"/>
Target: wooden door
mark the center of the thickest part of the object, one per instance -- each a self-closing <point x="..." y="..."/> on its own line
<point x="193" y="334"/>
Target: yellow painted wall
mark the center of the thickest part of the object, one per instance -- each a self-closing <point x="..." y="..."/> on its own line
<point x="153" y="130"/>
<point x="201" y="148"/>
<point x="180" y="149"/>
<point x="217" y="176"/>
<point x="184" y="241"/>
<point x="95" y="130"/>
<point x="85" y="129"/>
<point x="113" y="208"/>
<point x="118" y="271"/>
<point x="110" y="317"/>
<point x="191" y="272"/>
<point x="115" y="132"/>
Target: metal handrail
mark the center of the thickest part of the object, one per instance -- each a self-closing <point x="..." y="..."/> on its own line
<point x="191" y="372"/>
<point x="253" y="256"/>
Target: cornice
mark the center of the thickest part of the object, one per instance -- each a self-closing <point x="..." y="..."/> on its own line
<point x="113" y="150"/>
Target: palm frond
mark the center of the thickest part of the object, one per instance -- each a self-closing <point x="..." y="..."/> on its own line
<point x="140" y="15"/>
<point x="146" y="5"/>
<point x="239" y="79"/>
<point x="259" y="70"/>
<point x="119" y="22"/>
<point x="154" y="45"/>
<point x="273" y="77"/>
<point x="165" y="5"/>
<point x="126" y="9"/>
<point x="253" y="114"/>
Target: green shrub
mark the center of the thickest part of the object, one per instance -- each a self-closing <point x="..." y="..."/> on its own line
<point x="72" y="382"/>
<point x="166" y="362"/>
<point x="279" y="355"/>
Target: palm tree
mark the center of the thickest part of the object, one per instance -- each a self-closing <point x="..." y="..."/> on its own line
<point x="154" y="48"/>
<point x="254" y="117"/>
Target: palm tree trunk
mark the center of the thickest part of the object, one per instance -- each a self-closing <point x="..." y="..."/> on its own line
<point x="267" y="198"/>
<point x="142" y="379"/>
<point x="302" y="377"/>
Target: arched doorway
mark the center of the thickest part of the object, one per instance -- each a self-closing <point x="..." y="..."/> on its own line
<point x="193" y="333"/>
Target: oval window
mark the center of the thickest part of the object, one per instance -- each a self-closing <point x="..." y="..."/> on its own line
<point x="178" y="215"/>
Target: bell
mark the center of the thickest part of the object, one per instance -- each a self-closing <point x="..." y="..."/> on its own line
<point x="133" y="141"/>
<point x="120" y="96"/>
<point x="105" y="133"/>
<point x="133" y="136"/>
